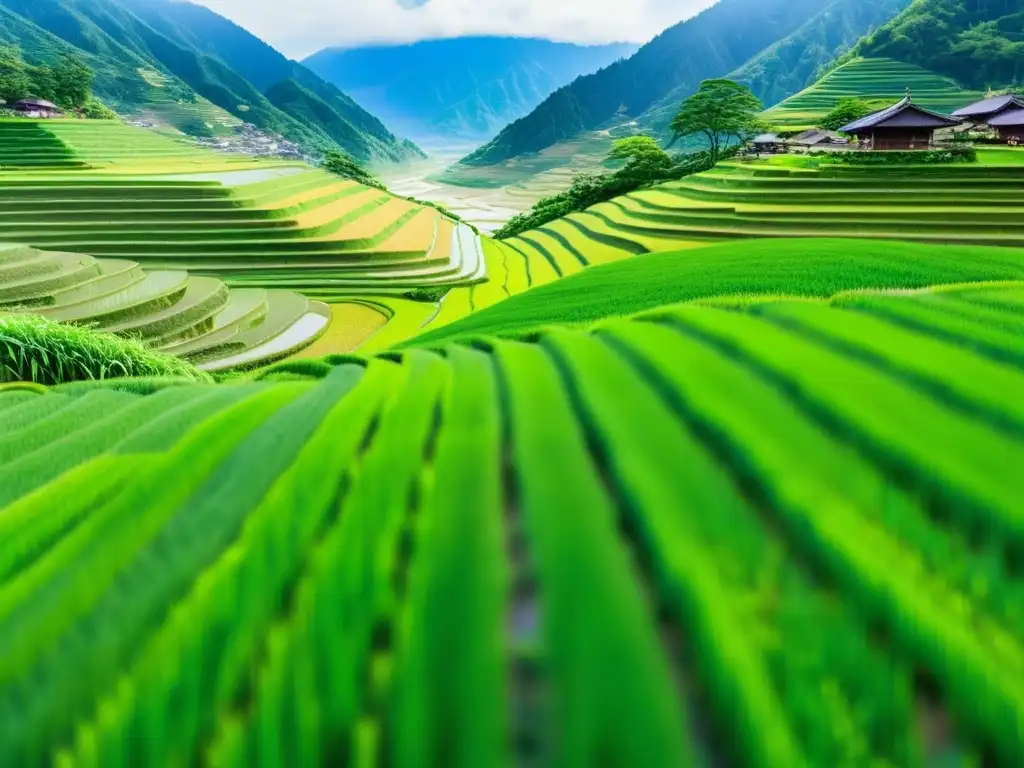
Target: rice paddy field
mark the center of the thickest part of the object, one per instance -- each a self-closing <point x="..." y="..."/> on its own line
<point x="675" y="482"/>
<point x="869" y="79"/>
<point x="776" y="532"/>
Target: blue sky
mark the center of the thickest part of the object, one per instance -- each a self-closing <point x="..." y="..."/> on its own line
<point x="301" y="27"/>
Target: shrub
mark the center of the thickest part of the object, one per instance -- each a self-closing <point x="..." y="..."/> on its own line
<point x="429" y="294"/>
<point x="44" y="352"/>
<point x="94" y="109"/>
<point x="946" y="155"/>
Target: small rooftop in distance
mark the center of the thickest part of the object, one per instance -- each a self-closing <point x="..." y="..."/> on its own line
<point x="990" y="106"/>
<point x="35" y="104"/>
<point x="766" y="138"/>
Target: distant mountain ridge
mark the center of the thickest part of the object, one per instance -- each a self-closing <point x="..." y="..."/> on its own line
<point x="469" y="86"/>
<point x="174" y="56"/>
<point x="711" y="44"/>
<point x="789" y="65"/>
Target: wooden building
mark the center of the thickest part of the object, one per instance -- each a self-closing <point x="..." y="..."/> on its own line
<point x="902" y="126"/>
<point x="982" y="112"/>
<point x="1010" y="125"/>
<point x="36" y="108"/>
<point x="767" y="143"/>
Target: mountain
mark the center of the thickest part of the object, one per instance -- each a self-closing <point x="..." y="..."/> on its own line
<point x="711" y="44"/>
<point x="470" y="87"/>
<point x="794" y="62"/>
<point x="980" y="43"/>
<point x="185" y="64"/>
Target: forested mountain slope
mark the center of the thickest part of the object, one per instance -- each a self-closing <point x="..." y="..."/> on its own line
<point x="711" y="44"/>
<point x="160" y="52"/>
<point x="471" y="86"/>
<point x="978" y="43"/>
<point x="794" y="62"/>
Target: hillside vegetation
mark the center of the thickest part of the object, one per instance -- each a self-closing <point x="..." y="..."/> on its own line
<point x="711" y="44"/>
<point x="466" y="87"/>
<point x="177" y="62"/>
<point x="796" y="61"/>
<point x="979" y="43"/>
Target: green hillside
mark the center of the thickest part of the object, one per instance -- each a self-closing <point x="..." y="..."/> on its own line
<point x="149" y="66"/>
<point x="870" y="79"/>
<point x="711" y="44"/>
<point x="794" y="62"/>
<point x="979" y="44"/>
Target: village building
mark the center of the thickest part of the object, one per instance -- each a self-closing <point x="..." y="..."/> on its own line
<point x="904" y="125"/>
<point x="36" y="108"/>
<point x="818" y="138"/>
<point x="1010" y="125"/>
<point x="982" y="112"/>
<point x="767" y="143"/>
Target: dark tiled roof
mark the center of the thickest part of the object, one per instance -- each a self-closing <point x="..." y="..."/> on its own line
<point x="989" y="106"/>
<point x="36" y="104"/>
<point x="877" y="118"/>
<point x="1009" y="117"/>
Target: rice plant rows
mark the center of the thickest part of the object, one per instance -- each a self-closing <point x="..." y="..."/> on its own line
<point x="781" y="533"/>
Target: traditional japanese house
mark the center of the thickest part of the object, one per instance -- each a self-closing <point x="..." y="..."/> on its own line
<point x="904" y="125"/>
<point x="981" y="112"/>
<point x="1010" y="125"/>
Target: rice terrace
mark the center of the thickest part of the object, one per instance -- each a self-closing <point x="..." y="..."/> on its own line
<point x="709" y="458"/>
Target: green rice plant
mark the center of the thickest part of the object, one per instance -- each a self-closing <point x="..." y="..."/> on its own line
<point x="859" y="521"/>
<point x="610" y="682"/>
<point x="911" y="432"/>
<point x="27" y="731"/>
<point x="448" y="704"/>
<point x="42" y="351"/>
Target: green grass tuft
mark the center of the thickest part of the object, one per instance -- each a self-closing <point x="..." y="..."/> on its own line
<point x="44" y="352"/>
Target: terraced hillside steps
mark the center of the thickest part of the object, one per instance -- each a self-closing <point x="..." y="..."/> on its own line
<point x="25" y="146"/>
<point x="197" y="318"/>
<point x="267" y="226"/>
<point x="798" y="521"/>
<point x="871" y="80"/>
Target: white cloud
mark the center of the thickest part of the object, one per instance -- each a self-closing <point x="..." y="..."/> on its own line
<point x="300" y="27"/>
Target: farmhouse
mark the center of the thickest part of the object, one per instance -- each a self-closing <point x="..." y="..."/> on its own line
<point x="982" y="112"/>
<point x="904" y="125"/>
<point x="766" y="142"/>
<point x="1010" y="125"/>
<point x="817" y="138"/>
<point x="36" y="108"/>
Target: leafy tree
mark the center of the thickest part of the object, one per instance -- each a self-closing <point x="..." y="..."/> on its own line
<point x="72" y="80"/>
<point x="723" y="112"/>
<point x="15" y="83"/>
<point x="343" y="164"/>
<point x="641" y="153"/>
<point x="849" y="109"/>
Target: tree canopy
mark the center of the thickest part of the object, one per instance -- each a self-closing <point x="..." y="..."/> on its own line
<point x="67" y="82"/>
<point x="722" y="112"/>
<point x="343" y="164"/>
<point x="850" y="109"/>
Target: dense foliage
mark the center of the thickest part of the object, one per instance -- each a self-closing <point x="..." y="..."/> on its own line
<point x="849" y="109"/>
<point x="466" y="86"/>
<point x="160" y="57"/>
<point x="945" y="156"/>
<point x="721" y="112"/>
<point x="346" y="166"/>
<point x="646" y="163"/>
<point x="978" y="43"/>
<point x="37" y="350"/>
<point x="67" y="81"/>
<point x="709" y="45"/>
